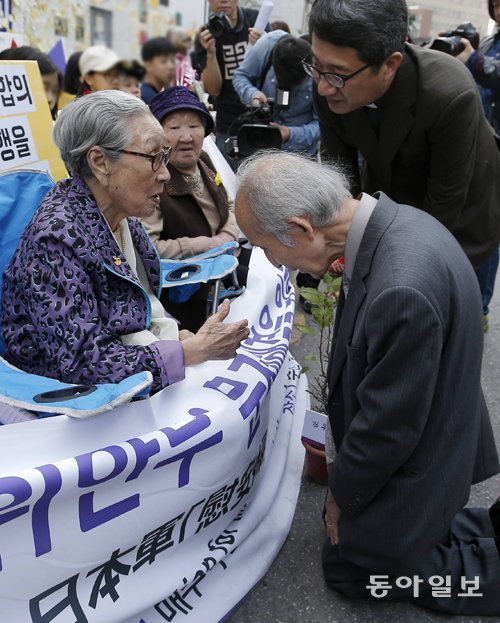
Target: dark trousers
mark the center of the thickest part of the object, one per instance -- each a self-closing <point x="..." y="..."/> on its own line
<point x="486" y="275"/>
<point x="469" y="551"/>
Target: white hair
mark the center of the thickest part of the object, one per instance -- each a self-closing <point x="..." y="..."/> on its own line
<point x="279" y="185"/>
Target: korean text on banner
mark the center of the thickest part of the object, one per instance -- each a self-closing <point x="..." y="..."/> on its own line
<point x="25" y="121"/>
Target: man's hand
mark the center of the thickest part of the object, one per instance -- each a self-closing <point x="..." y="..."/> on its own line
<point x="258" y="99"/>
<point x="207" y="41"/>
<point x="332" y="518"/>
<point x="285" y="132"/>
<point x="215" y="339"/>
<point x="254" y="35"/>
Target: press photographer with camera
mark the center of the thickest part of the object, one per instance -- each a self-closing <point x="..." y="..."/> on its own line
<point x="484" y="64"/>
<point x="272" y="74"/>
<point x="220" y="48"/>
<point x="482" y="58"/>
<point x="453" y="42"/>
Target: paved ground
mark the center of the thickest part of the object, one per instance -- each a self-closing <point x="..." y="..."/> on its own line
<point x="293" y="590"/>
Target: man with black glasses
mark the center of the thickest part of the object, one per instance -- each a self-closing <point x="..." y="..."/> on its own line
<point x="406" y="120"/>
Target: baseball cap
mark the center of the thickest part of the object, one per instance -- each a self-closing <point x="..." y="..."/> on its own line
<point x="98" y="58"/>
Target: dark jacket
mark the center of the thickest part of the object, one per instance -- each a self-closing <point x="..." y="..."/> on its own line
<point x="407" y="410"/>
<point x="184" y="217"/>
<point x="182" y="214"/>
<point x="434" y="148"/>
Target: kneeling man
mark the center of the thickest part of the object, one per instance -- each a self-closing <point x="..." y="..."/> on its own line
<point x="406" y="408"/>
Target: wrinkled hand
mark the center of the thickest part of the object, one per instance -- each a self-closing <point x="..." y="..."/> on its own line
<point x="336" y="268"/>
<point x="184" y="334"/>
<point x="207" y="40"/>
<point x="332" y="518"/>
<point x="200" y="244"/>
<point x="285" y="132"/>
<point x="254" y="35"/>
<point x="215" y="339"/>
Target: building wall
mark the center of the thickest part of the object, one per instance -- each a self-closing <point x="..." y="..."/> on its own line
<point x="290" y="12"/>
<point x="448" y="14"/>
<point x="83" y="22"/>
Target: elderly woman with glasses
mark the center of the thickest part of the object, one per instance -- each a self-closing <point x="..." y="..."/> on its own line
<point x="80" y="299"/>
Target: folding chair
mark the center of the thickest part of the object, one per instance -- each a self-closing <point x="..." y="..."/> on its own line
<point x="21" y="192"/>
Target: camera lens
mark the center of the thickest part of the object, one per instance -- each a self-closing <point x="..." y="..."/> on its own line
<point x="450" y="45"/>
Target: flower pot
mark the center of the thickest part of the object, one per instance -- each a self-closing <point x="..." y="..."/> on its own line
<point x="316" y="463"/>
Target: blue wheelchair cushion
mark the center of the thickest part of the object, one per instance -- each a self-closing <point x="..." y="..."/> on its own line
<point x="49" y="396"/>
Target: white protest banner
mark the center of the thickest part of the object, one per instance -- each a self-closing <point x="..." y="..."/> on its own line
<point x="165" y="509"/>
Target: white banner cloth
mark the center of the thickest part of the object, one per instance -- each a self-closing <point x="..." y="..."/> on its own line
<point x="166" y="509"/>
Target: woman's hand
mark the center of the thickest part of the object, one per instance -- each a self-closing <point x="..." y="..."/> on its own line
<point x="215" y="339"/>
<point x="200" y="244"/>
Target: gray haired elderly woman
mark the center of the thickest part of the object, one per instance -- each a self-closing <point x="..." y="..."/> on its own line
<point x="80" y="300"/>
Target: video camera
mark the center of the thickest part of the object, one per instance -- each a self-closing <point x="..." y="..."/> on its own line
<point x="451" y="43"/>
<point x="254" y="131"/>
<point x="219" y="24"/>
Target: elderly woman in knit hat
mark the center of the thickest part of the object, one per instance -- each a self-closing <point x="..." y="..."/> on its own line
<point x="194" y="214"/>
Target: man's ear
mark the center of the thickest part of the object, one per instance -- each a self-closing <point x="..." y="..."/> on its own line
<point x="391" y="65"/>
<point x="98" y="163"/>
<point x="303" y="224"/>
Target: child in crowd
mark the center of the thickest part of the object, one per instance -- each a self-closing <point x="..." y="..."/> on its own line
<point x="71" y="82"/>
<point x="130" y="77"/>
<point x="99" y="67"/>
<point x="51" y="76"/>
<point x="185" y="75"/>
<point x="158" y="56"/>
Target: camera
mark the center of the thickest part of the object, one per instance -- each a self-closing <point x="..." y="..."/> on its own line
<point x="451" y="43"/>
<point x="219" y="24"/>
<point x="254" y="132"/>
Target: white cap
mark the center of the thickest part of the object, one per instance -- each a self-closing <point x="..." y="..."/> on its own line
<point x="98" y="58"/>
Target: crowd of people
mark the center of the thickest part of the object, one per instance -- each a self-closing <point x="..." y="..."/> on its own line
<point x="389" y="161"/>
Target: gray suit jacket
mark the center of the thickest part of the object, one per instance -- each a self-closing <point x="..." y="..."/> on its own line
<point x="434" y="149"/>
<point x="407" y="411"/>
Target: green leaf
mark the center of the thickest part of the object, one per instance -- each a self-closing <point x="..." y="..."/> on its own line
<point x="303" y="328"/>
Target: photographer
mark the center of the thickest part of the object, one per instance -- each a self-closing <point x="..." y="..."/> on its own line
<point x="272" y="68"/>
<point x="484" y="64"/>
<point x="218" y="56"/>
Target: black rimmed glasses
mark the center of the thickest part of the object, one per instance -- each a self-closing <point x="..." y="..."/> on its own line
<point x="156" y="159"/>
<point x="333" y="80"/>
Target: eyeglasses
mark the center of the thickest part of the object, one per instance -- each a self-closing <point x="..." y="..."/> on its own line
<point x="333" y="80"/>
<point x="156" y="159"/>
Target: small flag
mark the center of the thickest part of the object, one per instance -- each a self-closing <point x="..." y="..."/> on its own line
<point x="57" y="55"/>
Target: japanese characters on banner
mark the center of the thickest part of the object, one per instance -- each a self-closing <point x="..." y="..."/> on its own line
<point x="25" y="121"/>
<point x="166" y="509"/>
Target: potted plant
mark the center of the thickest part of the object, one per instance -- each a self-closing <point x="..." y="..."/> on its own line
<point x="324" y="304"/>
